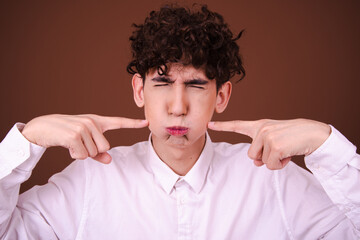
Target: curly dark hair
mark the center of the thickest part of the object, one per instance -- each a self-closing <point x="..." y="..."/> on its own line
<point x="180" y="35"/>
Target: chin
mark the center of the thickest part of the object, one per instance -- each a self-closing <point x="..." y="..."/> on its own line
<point x="178" y="141"/>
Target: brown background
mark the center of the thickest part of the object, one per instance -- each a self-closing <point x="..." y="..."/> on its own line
<point x="302" y="60"/>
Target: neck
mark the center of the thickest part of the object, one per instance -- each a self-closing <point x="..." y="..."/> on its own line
<point x="179" y="158"/>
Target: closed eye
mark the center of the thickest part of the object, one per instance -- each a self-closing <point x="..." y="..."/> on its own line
<point x="196" y="86"/>
<point x="161" y="81"/>
<point x="197" y="83"/>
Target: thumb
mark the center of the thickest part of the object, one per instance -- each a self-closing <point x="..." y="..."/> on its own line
<point x="103" y="158"/>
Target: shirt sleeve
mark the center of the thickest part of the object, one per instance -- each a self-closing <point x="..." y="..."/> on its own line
<point x="336" y="165"/>
<point x="51" y="211"/>
<point x="16" y="152"/>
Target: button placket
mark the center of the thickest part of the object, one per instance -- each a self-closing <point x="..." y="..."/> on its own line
<point x="184" y="212"/>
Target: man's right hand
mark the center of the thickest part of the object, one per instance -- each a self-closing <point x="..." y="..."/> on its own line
<point x="81" y="134"/>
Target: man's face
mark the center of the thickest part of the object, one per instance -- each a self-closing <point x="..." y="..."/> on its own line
<point x="179" y="105"/>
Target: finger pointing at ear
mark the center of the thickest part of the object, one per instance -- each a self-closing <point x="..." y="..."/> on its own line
<point x="104" y="124"/>
<point x="81" y="134"/>
<point x="112" y="123"/>
<point x="248" y="128"/>
<point x="275" y="142"/>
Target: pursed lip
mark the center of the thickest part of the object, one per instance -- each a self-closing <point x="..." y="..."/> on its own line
<point x="177" y="130"/>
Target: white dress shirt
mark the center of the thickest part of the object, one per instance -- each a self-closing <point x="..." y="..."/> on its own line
<point x="224" y="196"/>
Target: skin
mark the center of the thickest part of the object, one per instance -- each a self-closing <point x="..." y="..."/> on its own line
<point x="186" y="98"/>
<point x="275" y="142"/>
<point x="81" y="134"/>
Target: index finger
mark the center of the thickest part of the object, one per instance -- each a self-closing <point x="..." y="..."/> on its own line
<point x="248" y="128"/>
<point x="111" y="123"/>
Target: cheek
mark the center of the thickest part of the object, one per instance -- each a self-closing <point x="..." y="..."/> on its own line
<point x="153" y="116"/>
<point x="206" y="111"/>
<point x="202" y="118"/>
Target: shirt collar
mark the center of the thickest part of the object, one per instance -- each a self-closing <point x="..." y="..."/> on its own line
<point x="195" y="177"/>
<point x="165" y="176"/>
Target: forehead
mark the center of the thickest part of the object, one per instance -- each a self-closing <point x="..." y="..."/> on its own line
<point x="177" y="71"/>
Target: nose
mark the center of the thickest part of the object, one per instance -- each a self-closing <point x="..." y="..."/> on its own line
<point x="178" y="102"/>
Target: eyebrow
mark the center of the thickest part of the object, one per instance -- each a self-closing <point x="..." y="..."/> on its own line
<point x="196" y="81"/>
<point x="162" y="79"/>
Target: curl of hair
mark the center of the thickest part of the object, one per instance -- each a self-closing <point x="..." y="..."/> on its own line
<point x="178" y="35"/>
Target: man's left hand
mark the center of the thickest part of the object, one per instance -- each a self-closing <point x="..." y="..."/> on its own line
<point x="275" y="142"/>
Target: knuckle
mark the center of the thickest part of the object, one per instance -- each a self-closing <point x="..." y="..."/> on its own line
<point x="271" y="139"/>
<point x="266" y="129"/>
<point x="277" y="148"/>
<point x="104" y="147"/>
<point x="267" y="121"/>
<point x="93" y="153"/>
<point x="271" y="167"/>
<point x="107" y="147"/>
<point x="93" y="116"/>
<point x="253" y="155"/>
<point x="88" y="121"/>
<point x="74" y="136"/>
<point x="72" y="154"/>
<point x="77" y="155"/>
<point x="79" y="128"/>
<point x="263" y="122"/>
<point x="81" y="155"/>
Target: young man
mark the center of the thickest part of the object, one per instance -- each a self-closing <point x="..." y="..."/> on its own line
<point x="179" y="184"/>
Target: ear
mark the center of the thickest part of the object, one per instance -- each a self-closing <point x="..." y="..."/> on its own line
<point x="138" y="89"/>
<point x="223" y="97"/>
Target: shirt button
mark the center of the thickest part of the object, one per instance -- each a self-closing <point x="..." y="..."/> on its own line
<point x="182" y="201"/>
<point x="348" y="209"/>
<point x="21" y="153"/>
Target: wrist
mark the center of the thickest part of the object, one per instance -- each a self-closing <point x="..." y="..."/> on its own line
<point x="26" y="132"/>
<point x="323" y="132"/>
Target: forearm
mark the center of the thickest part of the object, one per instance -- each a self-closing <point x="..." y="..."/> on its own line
<point x="17" y="159"/>
<point x="337" y="167"/>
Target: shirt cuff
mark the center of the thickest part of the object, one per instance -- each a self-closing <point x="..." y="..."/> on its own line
<point x="332" y="156"/>
<point x="16" y="150"/>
